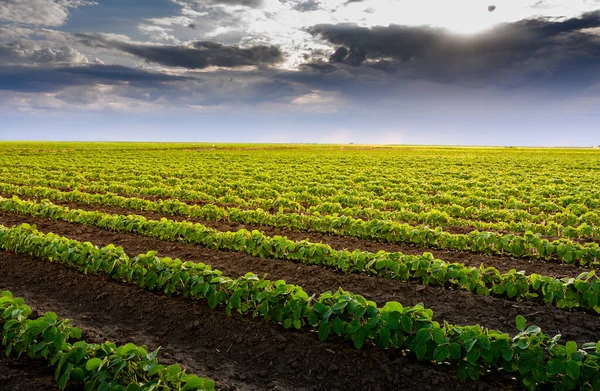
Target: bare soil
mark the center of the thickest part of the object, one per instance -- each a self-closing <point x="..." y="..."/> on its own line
<point x="24" y="374"/>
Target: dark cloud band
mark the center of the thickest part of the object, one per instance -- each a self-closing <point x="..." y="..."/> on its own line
<point x="529" y="48"/>
<point x="197" y="55"/>
<point x="49" y="79"/>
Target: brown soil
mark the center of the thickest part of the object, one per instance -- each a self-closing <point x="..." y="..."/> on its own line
<point x="502" y="263"/>
<point x="24" y="374"/>
<point x="454" y="306"/>
<point x="238" y="352"/>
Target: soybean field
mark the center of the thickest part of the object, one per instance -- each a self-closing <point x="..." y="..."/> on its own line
<point x="180" y="266"/>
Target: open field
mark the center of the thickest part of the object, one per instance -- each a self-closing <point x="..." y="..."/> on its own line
<point x="298" y="267"/>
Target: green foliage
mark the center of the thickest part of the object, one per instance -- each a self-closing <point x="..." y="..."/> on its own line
<point x="103" y="366"/>
<point x="532" y="356"/>
<point x="528" y="245"/>
<point x="567" y="293"/>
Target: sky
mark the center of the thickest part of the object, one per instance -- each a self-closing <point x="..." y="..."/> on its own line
<point x="457" y="72"/>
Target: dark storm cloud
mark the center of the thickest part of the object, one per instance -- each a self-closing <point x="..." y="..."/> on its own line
<point x="49" y="79"/>
<point x="198" y="55"/>
<point x="533" y="47"/>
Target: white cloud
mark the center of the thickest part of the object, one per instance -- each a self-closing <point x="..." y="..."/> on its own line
<point x="172" y="21"/>
<point x="157" y="33"/>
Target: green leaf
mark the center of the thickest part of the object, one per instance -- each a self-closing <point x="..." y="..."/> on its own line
<point x="473" y="372"/>
<point x="555" y="367"/>
<point x="407" y="323"/>
<point x="441" y="353"/>
<point x="508" y="354"/>
<point x="173" y="370"/>
<point x="92" y="364"/>
<point x="573" y="370"/>
<point x="469" y="344"/>
<point x="438" y="336"/>
<point x="454" y="351"/>
<point x="420" y="351"/>
<point x="521" y="322"/>
<point x="320" y="308"/>
<point x="527" y="362"/>
<point x="392" y="306"/>
<point x="359" y="338"/>
<point x="571" y="347"/>
<point x="312" y="318"/>
<point x="473" y="355"/>
<point x="352" y="326"/>
<point x="338" y="326"/>
<point x="483" y="342"/>
<point x="461" y="371"/>
<point x="324" y="331"/>
<point x="78" y="375"/>
<point x="423" y="335"/>
<point x="64" y="378"/>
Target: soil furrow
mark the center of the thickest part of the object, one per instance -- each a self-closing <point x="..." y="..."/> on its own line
<point x="454" y="306"/>
<point x="238" y="352"/>
<point x="25" y="374"/>
<point x="502" y="263"/>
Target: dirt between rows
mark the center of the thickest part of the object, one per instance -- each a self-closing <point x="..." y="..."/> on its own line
<point x="240" y="353"/>
<point x="502" y="263"/>
<point x="24" y="374"/>
<point x="456" y="307"/>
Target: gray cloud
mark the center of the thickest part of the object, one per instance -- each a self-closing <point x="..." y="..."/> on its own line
<point x="28" y="53"/>
<point x="353" y="1"/>
<point x="39" y="12"/>
<point x="49" y="79"/>
<point x="247" y="3"/>
<point x="80" y="85"/>
<point x="195" y="55"/>
<point x="529" y="48"/>
<point x="306" y="5"/>
<point x="491" y="8"/>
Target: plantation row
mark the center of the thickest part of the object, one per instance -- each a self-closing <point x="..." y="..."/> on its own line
<point x="495" y="178"/>
<point x="527" y="246"/>
<point x="550" y="226"/>
<point x="104" y="366"/>
<point x="534" y="357"/>
<point x="582" y="292"/>
<point x="438" y="208"/>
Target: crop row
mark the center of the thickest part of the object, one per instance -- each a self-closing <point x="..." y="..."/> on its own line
<point x="104" y="367"/>
<point x="582" y="292"/>
<point x="528" y="245"/>
<point x="561" y="225"/>
<point x="534" y="357"/>
<point x="436" y="209"/>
